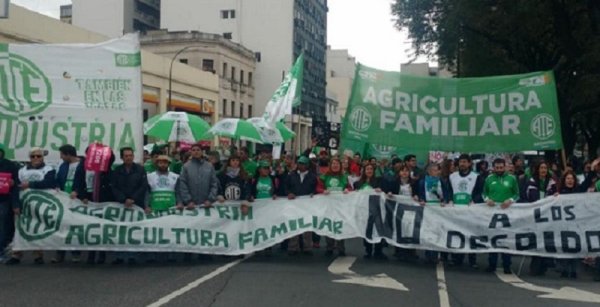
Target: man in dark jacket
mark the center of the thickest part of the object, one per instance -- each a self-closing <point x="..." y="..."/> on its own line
<point x="95" y="187"/>
<point x="301" y="182"/>
<point x="9" y="201"/>
<point x="129" y="184"/>
<point x="65" y="178"/>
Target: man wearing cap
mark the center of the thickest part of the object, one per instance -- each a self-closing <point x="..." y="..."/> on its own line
<point x="9" y="200"/>
<point x="35" y="175"/>
<point x="301" y="182"/>
<point x="150" y="164"/>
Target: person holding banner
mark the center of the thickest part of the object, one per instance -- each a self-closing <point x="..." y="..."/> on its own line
<point x="432" y="191"/>
<point x="89" y="185"/>
<point x="65" y="177"/>
<point x="198" y="183"/>
<point x="301" y="182"/>
<point x="9" y="200"/>
<point x="35" y="175"/>
<point x="234" y="183"/>
<point x="465" y="189"/>
<point x="500" y="189"/>
<point x="161" y="195"/>
<point x="368" y="181"/>
<point x="334" y="180"/>
<point x="540" y="185"/>
<point x="129" y="183"/>
<point x="402" y="184"/>
<point x="568" y="185"/>
<point x="264" y="185"/>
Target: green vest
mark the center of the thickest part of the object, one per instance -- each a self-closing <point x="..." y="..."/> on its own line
<point x="162" y="190"/>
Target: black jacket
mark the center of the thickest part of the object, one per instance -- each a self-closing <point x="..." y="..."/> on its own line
<point x="80" y="184"/>
<point x="235" y="188"/>
<point x="129" y="184"/>
<point x="293" y="185"/>
<point x="7" y="166"/>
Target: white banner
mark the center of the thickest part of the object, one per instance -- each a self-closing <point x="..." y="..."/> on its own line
<point x="567" y="226"/>
<point x="57" y="94"/>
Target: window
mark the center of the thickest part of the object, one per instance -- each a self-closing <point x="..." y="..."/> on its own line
<point x="232" y="73"/>
<point x="232" y="108"/>
<point x="224" y="71"/>
<point x="249" y="111"/>
<point x="241" y="76"/>
<point x="249" y="79"/>
<point x="241" y="110"/>
<point x="257" y="56"/>
<point x="227" y="14"/>
<point x="184" y="61"/>
<point x="208" y="65"/>
<point x="227" y="35"/>
<point x="224" y="107"/>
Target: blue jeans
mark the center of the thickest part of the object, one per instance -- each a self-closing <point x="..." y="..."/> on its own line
<point x="6" y="225"/>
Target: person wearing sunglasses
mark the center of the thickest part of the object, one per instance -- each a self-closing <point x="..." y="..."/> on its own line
<point x="34" y="175"/>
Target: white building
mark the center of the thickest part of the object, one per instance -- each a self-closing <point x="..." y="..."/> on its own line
<point x="276" y="30"/>
<point x="113" y="18"/>
<point x="340" y="75"/>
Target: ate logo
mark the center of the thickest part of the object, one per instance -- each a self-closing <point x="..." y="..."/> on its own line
<point x="360" y="119"/>
<point x="462" y="186"/>
<point x="24" y="88"/>
<point x="41" y="215"/>
<point x="543" y="126"/>
<point x="232" y="192"/>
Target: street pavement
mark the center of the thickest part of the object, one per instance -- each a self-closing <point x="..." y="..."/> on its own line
<point x="282" y="280"/>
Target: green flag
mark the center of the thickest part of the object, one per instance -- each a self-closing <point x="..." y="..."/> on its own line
<point x="491" y="114"/>
<point x="288" y="94"/>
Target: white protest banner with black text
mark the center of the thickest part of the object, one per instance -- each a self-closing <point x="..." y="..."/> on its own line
<point x="564" y="226"/>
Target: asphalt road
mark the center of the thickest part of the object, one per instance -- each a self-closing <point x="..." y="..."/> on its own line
<point x="282" y="280"/>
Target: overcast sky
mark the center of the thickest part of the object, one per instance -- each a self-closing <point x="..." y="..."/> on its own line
<point x="364" y="27"/>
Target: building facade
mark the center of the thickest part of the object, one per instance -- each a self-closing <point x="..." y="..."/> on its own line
<point x="277" y="31"/>
<point x="231" y="63"/>
<point x="340" y="75"/>
<point x="114" y="18"/>
<point x="193" y="90"/>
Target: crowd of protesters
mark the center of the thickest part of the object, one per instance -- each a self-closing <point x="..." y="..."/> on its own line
<point x="192" y="179"/>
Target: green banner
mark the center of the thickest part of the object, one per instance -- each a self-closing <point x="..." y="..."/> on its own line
<point x="491" y="114"/>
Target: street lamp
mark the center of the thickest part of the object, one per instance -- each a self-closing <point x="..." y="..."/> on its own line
<point x="171" y="71"/>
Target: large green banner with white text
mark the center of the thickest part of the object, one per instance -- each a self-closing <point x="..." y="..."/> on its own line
<point x="491" y="114"/>
<point x="57" y="94"/>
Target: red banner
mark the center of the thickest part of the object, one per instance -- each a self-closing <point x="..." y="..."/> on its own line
<point x="5" y="179"/>
<point x="98" y="158"/>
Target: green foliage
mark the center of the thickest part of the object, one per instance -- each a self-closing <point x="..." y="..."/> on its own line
<point x="496" y="37"/>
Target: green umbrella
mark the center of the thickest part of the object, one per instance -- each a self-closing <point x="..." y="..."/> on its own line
<point x="176" y="127"/>
<point x="235" y="128"/>
<point x="278" y="134"/>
